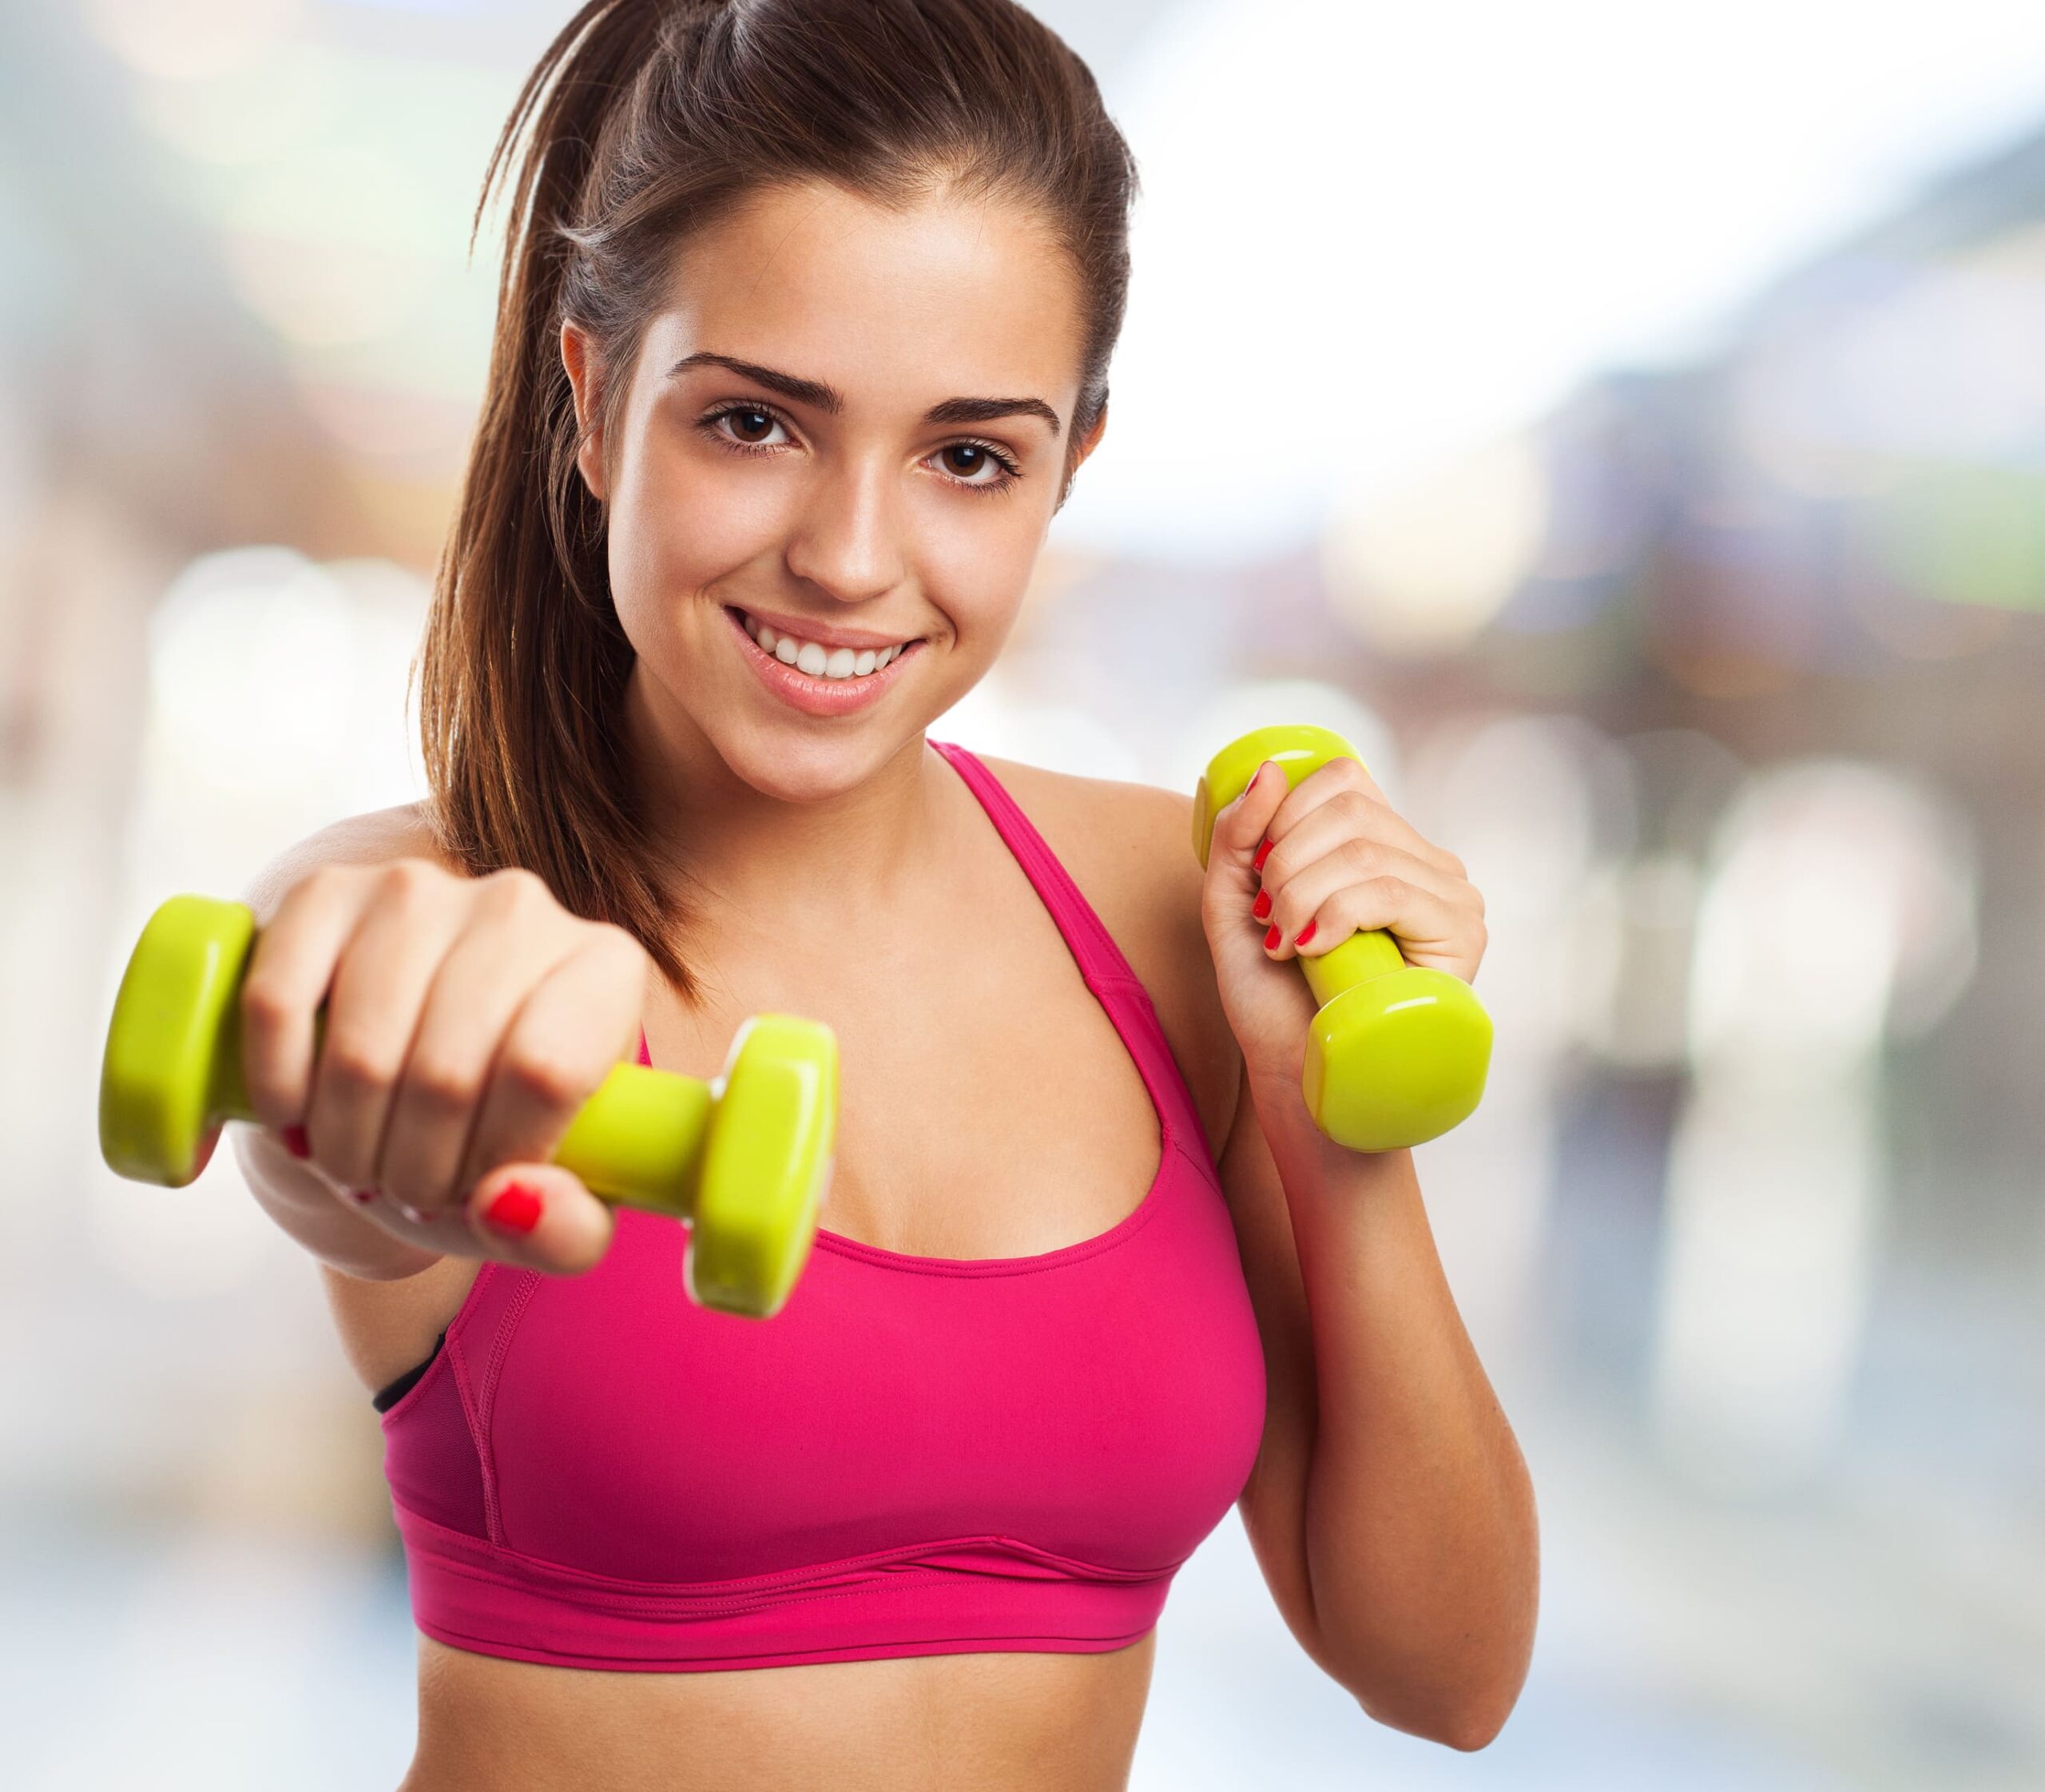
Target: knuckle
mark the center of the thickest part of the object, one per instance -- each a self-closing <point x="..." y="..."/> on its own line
<point x="266" y="1005"/>
<point x="1364" y="856"/>
<point x="520" y="889"/>
<point x="321" y="883"/>
<point x="412" y="880"/>
<point x="353" y="1062"/>
<point x="441" y="1088"/>
<point x="544" y="1078"/>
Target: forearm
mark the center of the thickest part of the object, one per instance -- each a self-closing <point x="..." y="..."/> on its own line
<point x="1420" y="1531"/>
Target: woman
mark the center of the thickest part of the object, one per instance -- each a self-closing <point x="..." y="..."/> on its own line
<point x="803" y="329"/>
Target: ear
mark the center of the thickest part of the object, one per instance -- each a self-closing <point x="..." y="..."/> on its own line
<point x="584" y="377"/>
<point x="1086" y="445"/>
<point x="1092" y="439"/>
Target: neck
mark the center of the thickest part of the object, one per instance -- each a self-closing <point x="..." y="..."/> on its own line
<point x="799" y="853"/>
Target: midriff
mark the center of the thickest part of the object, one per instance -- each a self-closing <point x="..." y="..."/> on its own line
<point x="1016" y="1722"/>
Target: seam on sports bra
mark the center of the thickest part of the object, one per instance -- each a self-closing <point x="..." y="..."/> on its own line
<point x="486" y="1402"/>
<point x="476" y="1443"/>
<point x="649" y="1609"/>
<point x="674" y="1598"/>
<point x="454" y="1330"/>
<point x="514" y="1311"/>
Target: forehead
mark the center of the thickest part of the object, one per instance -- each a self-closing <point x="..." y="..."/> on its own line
<point x="952" y="297"/>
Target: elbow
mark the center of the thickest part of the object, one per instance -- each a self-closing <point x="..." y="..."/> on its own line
<point x="1466" y="1726"/>
<point x="1478" y="1730"/>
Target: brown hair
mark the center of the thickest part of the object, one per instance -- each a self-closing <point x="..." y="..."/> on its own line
<point x="650" y="120"/>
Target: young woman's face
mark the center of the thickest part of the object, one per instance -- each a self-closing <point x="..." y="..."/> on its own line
<point x="850" y="426"/>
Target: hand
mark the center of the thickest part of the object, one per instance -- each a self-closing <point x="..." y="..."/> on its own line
<point x="1341" y="861"/>
<point x="466" y="1020"/>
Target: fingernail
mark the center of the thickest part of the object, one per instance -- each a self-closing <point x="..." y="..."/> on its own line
<point x="1261" y="907"/>
<point x="1263" y="853"/>
<point x="296" y="1143"/>
<point x="362" y="1196"/>
<point x="1303" y="935"/>
<point x="1271" y="938"/>
<point x="516" y="1210"/>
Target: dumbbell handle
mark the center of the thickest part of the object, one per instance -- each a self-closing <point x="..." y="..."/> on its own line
<point x="638" y="1140"/>
<point x="1358" y="960"/>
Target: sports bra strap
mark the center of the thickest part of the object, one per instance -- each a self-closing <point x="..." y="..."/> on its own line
<point x="1100" y="958"/>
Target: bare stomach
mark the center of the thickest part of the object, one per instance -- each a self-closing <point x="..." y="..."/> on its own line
<point x="1017" y="1721"/>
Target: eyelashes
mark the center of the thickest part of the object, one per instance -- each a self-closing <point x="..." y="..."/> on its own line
<point x="1009" y="472"/>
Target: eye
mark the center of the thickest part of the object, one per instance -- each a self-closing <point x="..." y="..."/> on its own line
<point x="979" y="464"/>
<point x="750" y="426"/>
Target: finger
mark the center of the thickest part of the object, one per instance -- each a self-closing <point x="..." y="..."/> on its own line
<point x="289" y="970"/>
<point x="1241" y="826"/>
<point x="539" y="1216"/>
<point x="574" y="1026"/>
<point x="447" y="1232"/>
<point x="1423" y="925"/>
<point x="468" y="1008"/>
<point x="384" y="972"/>
<point x="1350" y="828"/>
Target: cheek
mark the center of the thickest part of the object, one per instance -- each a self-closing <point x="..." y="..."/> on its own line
<point x="976" y="556"/>
<point x="678" y="525"/>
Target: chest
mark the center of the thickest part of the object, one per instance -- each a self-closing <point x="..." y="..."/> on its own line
<point x="988" y="1105"/>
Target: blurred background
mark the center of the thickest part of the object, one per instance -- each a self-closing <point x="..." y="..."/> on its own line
<point x="1626" y="423"/>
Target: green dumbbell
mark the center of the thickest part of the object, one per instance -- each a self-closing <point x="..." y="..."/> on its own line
<point x="746" y="1158"/>
<point x="1398" y="1053"/>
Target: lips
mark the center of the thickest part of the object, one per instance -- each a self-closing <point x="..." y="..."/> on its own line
<point x="818" y="696"/>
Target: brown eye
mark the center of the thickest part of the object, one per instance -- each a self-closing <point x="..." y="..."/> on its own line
<point x="965" y="459"/>
<point x="745" y="423"/>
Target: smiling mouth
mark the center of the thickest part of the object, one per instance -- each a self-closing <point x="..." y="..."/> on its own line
<point x="827" y="665"/>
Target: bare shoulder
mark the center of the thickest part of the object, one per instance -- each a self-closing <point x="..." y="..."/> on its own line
<point x="375" y="838"/>
<point x="1128" y="847"/>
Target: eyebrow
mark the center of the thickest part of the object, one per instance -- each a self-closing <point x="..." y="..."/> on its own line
<point x="830" y="402"/>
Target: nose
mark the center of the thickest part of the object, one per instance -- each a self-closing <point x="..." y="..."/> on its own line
<point x="849" y="540"/>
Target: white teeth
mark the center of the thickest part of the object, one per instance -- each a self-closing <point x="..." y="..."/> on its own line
<point x="818" y="660"/>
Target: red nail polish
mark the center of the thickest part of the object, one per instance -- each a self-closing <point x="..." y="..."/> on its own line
<point x="1303" y="935"/>
<point x="1261" y="907"/>
<point x="1271" y="938"/>
<point x="296" y="1143"/>
<point x="1263" y="853"/>
<point x="515" y="1210"/>
<point x="363" y="1197"/>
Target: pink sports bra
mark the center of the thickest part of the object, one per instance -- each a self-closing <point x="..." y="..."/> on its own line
<point x="917" y="1456"/>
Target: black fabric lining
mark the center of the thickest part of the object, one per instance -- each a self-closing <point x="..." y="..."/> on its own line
<point x="387" y="1398"/>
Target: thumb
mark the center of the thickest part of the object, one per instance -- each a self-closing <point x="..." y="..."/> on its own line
<point x="1239" y="828"/>
<point x="541" y="1216"/>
